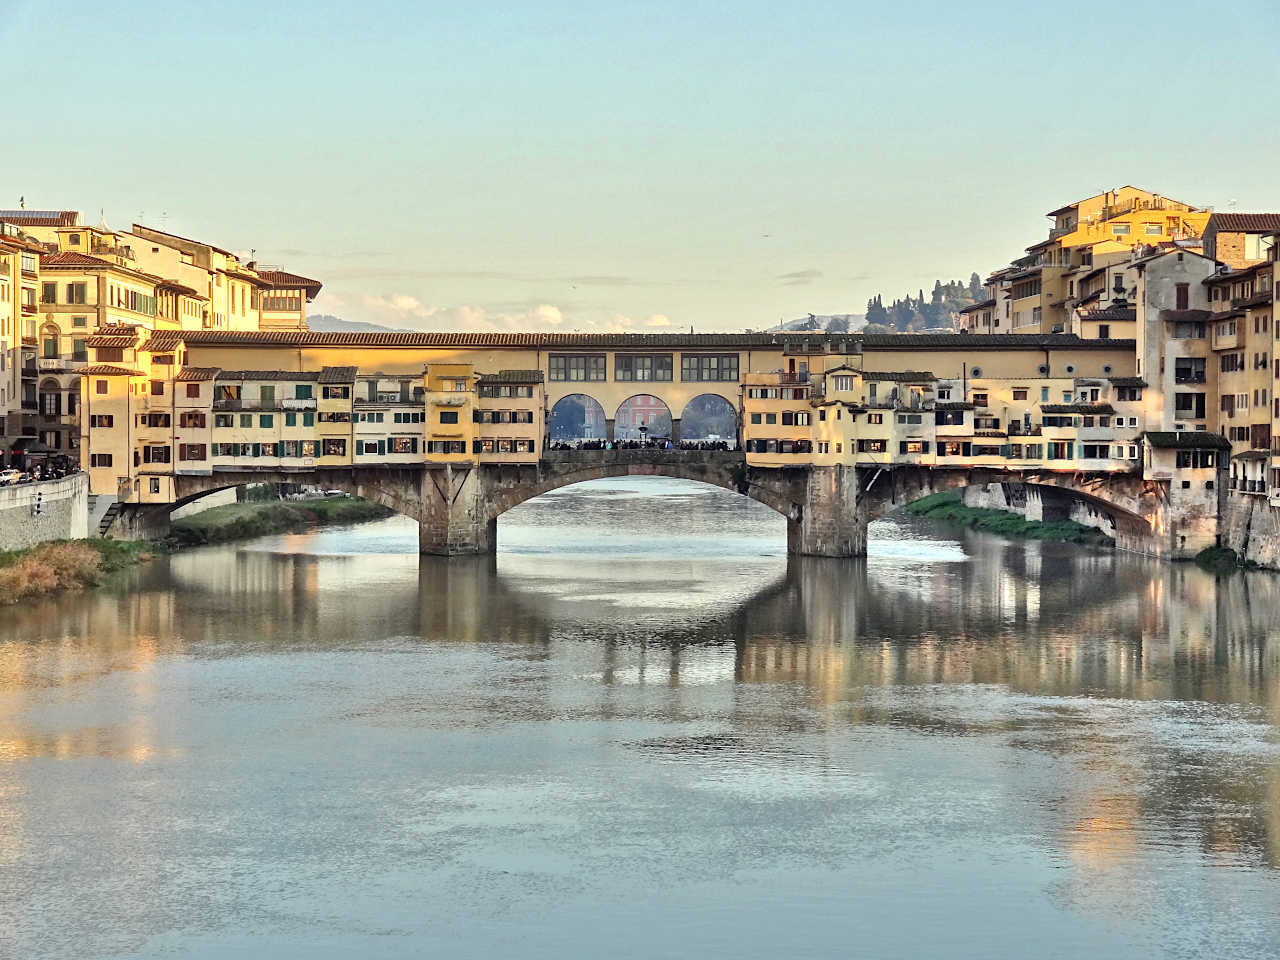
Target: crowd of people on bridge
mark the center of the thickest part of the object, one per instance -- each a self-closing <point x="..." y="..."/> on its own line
<point x="649" y="443"/>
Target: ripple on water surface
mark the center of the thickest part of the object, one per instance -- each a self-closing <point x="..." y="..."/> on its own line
<point x="642" y="730"/>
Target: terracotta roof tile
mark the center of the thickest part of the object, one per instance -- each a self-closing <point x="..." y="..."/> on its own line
<point x="107" y="370"/>
<point x="1241" y="222"/>
<point x="69" y="259"/>
<point x="290" y="376"/>
<point x="338" y="374"/>
<point x="196" y="374"/>
<point x="512" y="376"/>
<point x="111" y="340"/>
<point x="281" y="279"/>
<point x="40" y="218"/>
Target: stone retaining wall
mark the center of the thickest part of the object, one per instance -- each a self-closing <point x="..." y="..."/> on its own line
<point x="63" y="513"/>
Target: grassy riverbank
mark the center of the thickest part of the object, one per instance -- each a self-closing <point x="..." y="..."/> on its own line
<point x="66" y="565"/>
<point x="950" y="507"/>
<point x="241" y="521"/>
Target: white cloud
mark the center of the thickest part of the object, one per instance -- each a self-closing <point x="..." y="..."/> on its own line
<point x="658" y="320"/>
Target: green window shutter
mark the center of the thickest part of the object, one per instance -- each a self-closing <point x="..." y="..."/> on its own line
<point x="308" y="419"/>
<point x="382" y="447"/>
<point x="290" y="419"/>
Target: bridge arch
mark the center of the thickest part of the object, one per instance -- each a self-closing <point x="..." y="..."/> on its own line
<point x="1120" y="505"/>
<point x="577" y="416"/>
<point x="710" y="416"/>
<point x="642" y="410"/>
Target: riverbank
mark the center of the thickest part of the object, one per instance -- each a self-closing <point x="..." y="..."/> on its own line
<point x="62" y="565"/>
<point x="242" y="521"/>
<point x="949" y="507"/>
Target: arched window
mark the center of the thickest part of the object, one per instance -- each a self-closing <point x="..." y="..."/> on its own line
<point x="49" y="341"/>
<point x="50" y="398"/>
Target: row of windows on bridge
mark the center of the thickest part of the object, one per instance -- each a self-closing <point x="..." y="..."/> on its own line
<point x="631" y="368"/>
<point x="326" y="447"/>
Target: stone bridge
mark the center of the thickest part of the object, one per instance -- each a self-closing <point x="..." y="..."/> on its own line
<point x="827" y="507"/>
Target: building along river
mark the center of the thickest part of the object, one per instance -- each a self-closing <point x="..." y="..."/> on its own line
<point x="642" y="731"/>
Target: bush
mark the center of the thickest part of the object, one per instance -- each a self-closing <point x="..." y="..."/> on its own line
<point x="49" y="568"/>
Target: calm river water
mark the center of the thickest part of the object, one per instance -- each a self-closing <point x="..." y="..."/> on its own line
<point x="642" y="731"/>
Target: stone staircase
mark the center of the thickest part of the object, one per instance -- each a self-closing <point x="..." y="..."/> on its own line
<point x="103" y="511"/>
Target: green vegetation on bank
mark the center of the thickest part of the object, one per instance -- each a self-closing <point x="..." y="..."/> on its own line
<point x="1222" y="560"/>
<point x="66" y="565"/>
<point x="949" y="506"/>
<point x="241" y="521"/>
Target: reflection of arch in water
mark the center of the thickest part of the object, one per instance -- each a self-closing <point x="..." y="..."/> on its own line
<point x="642" y="410"/>
<point x="577" y="417"/>
<point x="709" y="416"/>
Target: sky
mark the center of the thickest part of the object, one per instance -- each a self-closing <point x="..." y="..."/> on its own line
<point x="630" y="166"/>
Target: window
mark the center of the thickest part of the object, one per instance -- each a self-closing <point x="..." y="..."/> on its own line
<point x="637" y="368"/>
<point x="100" y="460"/>
<point x="1120" y="229"/>
<point x="755" y="418"/>
<point x="875" y="418"/>
<point x="266" y="420"/>
<point x="290" y="419"/>
<point x="191" y="451"/>
<point x="335" y="447"/>
<point x="1104" y="331"/>
<point x="48" y="293"/>
<point x="302" y="391"/>
<point x="1182" y="295"/>
<point x="246" y="420"/>
<point x="843" y="382"/>
<point x="577" y="368"/>
<point x="105" y="420"/>
<point x="191" y="419"/>
<point x="980" y="399"/>
<point x="448" y="416"/>
<point x="223" y="420"/>
<point x="308" y="419"/>
<point x="336" y="393"/>
<point x="193" y="391"/>
<point x="157" y="388"/>
<point x="1019" y="394"/>
<point x="76" y="293"/>
<point x="100" y="386"/>
<point x="155" y="453"/>
<point x="770" y="418"/>
<point x="1152" y="229"/>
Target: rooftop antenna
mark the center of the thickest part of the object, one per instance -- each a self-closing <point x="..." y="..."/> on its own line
<point x="22" y="203"/>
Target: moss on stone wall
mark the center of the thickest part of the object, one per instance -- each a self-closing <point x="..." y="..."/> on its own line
<point x="950" y="507"/>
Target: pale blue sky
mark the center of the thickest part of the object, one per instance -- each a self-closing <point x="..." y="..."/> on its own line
<point x="598" y="165"/>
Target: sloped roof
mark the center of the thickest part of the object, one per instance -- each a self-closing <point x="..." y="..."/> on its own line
<point x="1187" y="440"/>
<point x="337" y="375"/>
<point x="286" y="375"/>
<point x="991" y="341"/>
<point x="318" y="338"/>
<point x="512" y="376"/>
<point x="41" y="218"/>
<point x="1240" y="222"/>
<point x="68" y="258"/>
<point x="1076" y="408"/>
<point x="107" y="370"/>
<point x="899" y="376"/>
<point x="1113" y="313"/>
<point x="111" y="340"/>
<point x="1128" y="382"/>
<point x="196" y="374"/>
<point x="280" y="279"/>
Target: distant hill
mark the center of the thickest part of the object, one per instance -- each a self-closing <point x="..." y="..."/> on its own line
<point x="831" y="322"/>
<point x="327" y="323"/>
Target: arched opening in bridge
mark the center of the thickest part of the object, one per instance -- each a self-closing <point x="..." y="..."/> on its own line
<point x="1067" y="513"/>
<point x="633" y="517"/>
<point x="576" y="418"/>
<point x="642" y="416"/>
<point x="709" y="418"/>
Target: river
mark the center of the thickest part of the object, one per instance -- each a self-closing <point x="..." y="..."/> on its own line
<point x="643" y="731"/>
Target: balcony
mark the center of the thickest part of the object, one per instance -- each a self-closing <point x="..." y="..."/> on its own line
<point x="1189" y="376"/>
<point x="787" y="379"/>
<point x="55" y="364"/>
<point x="29" y="309"/>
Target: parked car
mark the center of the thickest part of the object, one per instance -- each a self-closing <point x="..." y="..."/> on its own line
<point x="9" y="476"/>
<point x="336" y="493"/>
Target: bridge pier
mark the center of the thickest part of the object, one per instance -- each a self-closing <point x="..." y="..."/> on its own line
<point x="675" y="429"/>
<point x="455" y="516"/>
<point x="830" y="520"/>
<point x="140" y="521"/>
